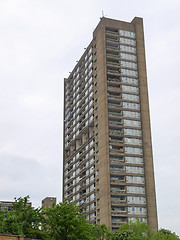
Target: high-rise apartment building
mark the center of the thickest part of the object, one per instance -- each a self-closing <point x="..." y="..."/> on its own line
<point x="108" y="163"/>
<point x="6" y="205"/>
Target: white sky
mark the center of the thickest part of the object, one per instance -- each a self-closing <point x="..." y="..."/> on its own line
<point x="40" y="42"/>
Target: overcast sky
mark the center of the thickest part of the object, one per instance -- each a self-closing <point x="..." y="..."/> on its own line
<point x="40" y="42"/>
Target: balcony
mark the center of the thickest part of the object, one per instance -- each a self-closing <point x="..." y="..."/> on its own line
<point x="117" y="192"/>
<point x="116" y="89"/>
<point x="114" y="56"/>
<point x="114" y="96"/>
<point x="83" y="177"/>
<point x="115" y="115"/>
<point x="113" y="39"/>
<point x="112" y="32"/>
<point x="114" y="72"/>
<point x="82" y="168"/>
<point x="118" y="201"/>
<point x="121" y="212"/>
<point x="115" y="107"/>
<point x="117" y="171"/>
<point x="115" y="130"/>
<point x="117" y="179"/>
<point x="114" y="50"/>
<point x="115" y="123"/>
<point x="117" y="224"/>
<point x="113" y="64"/>
<point x="116" y="150"/>
<point x="113" y="79"/>
<point x="83" y="184"/>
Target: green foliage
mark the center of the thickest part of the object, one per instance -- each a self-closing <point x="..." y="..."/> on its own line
<point x="133" y="231"/>
<point x="101" y="232"/>
<point x="65" y="222"/>
<point x="22" y="219"/>
<point x="164" y="234"/>
<point x="141" y="231"/>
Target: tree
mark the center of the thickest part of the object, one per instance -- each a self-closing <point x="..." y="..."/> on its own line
<point x="23" y="219"/>
<point x="164" y="234"/>
<point x="64" y="221"/>
<point x="101" y="232"/>
<point x="134" y="231"/>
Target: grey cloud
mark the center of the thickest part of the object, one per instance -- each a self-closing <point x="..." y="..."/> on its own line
<point x="21" y="176"/>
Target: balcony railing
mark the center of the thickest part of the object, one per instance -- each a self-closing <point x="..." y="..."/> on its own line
<point x="112" y="33"/>
<point x="118" y="212"/>
<point x="117" y="180"/>
<point x="113" y="56"/>
<point x="118" y="223"/>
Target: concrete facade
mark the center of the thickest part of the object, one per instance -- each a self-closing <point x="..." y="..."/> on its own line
<point x="108" y="162"/>
<point x="48" y="202"/>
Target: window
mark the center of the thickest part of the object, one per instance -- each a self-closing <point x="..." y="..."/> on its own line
<point x="96" y="135"/>
<point x="128" y="56"/>
<point x="129" y="80"/>
<point x="127" y="49"/>
<point x="130" y="169"/>
<point x="97" y="144"/>
<point x="136" y="200"/>
<point x="97" y="181"/>
<point x="134" y="179"/>
<point x="131" y="105"/>
<point x="96" y="126"/>
<point x="92" y="197"/>
<point x="130" y="97"/>
<point x="127" y="41"/>
<point x="133" y="189"/>
<point x="130" y="89"/>
<point x="132" y="150"/>
<point x="132" y="132"/>
<point x="98" y="211"/>
<point x="130" y="114"/>
<point x="98" y="201"/>
<point x="127" y="34"/>
<point x="133" y="141"/>
<point x="91" y="178"/>
<point x="92" y="188"/>
<point x="128" y="64"/>
<point x="129" y="72"/>
<point x="132" y="123"/>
